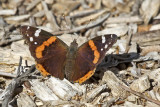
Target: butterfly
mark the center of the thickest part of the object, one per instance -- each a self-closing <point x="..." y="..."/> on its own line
<point x="56" y="58"/>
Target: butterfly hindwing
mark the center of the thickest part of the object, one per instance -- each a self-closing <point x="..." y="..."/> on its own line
<point x="46" y="49"/>
<point x="90" y="54"/>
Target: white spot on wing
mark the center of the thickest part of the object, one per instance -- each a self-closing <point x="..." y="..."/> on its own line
<point x="35" y="43"/>
<point x="28" y="27"/>
<point x="31" y="39"/>
<point x="37" y="32"/>
<point x="101" y="49"/>
<point x="106" y="46"/>
<point x="103" y="39"/>
<point x="27" y="35"/>
<point x="111" y="36"/>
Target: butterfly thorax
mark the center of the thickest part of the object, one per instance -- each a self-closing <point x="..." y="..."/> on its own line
<point x="70" y="61"/>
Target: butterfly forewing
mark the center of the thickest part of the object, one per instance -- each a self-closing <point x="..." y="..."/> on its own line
<point x="34" y="36"/>
<point x="103" y="44"/>
<point x="46" y="49"/>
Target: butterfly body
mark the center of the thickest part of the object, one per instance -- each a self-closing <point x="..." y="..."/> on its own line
<point x="70" y="60"/>
<point x="56" y="58"/>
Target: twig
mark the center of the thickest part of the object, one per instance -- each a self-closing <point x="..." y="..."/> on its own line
<point x="14" y="87"/>
<point x="19" y="67"/>
<point x="84" y="4"/>
<point x="140" y="95"/>
<point x="132" y="19"/>
<point x="50" y="16"/>
<point x="5" y="42"/>
<point x="9" y="37"/>
<point x="39" y="14"/>
<point x="84" y="13"/>
<point x="75" y="7"/>
<point x="87" y="26"/>
<point x="32" y="21"/>
<point x="8" y="12"/>
<point x="17" y="18"/>
<point x="150" y="37"/>
<point x="7" y="74"/>
<point x="32" y="5"/>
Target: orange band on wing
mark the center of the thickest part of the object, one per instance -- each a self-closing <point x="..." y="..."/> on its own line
<point x="42" y="70"/>
<point x="41" y="48"/>
<point x="85" y="77"/>
<point x="96" y="53"/>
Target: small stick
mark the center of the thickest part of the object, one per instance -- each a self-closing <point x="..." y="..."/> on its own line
<point x="5" y="42"/>
<point x="14" y="87"/>
<point x="83" y="13"/>
<point x="32" y="5"/>
<point x="19" y="67"/>
<point x="7" y="74"/>
<point x="50" y="17"/>
<point x="140" y="95"/>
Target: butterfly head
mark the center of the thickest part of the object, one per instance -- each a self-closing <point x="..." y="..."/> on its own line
<point x="74" y="43"/>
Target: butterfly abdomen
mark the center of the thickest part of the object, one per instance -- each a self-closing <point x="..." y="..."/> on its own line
<point x="70" y="60"/>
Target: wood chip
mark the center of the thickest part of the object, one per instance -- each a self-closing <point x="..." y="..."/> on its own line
<point x="62" y="90"/>
<point x="90" y="17"/>
<point x="32" y="4"/>
<point x="141" y="84"/>
<point x="113" y="82"/>
<point x="8" y="12"/>
<point x="149" y="36"/>
<point x="25" y="101"/>
<point x="131" y="19"/>
<point x="149" y="9"/>
<point x="50" y="16"/>
<point x="14" y="19"/>
<point x="119" y="31"/>
<point x="42" y="91"/>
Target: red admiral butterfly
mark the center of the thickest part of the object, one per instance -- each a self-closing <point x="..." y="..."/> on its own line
<point x="56" y="58"/>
